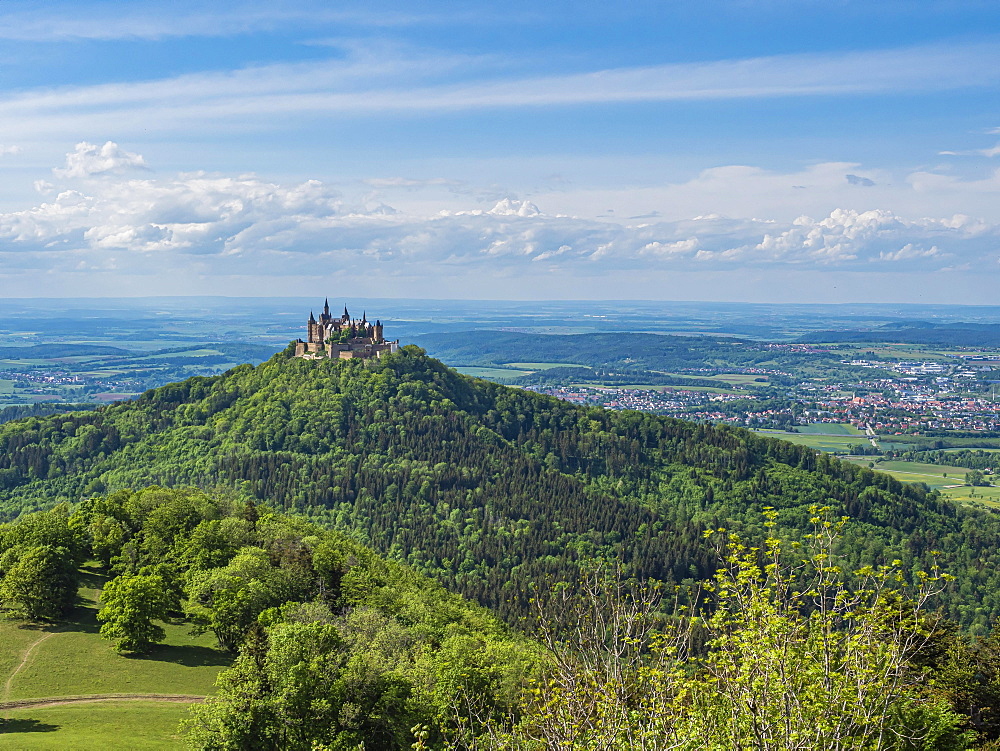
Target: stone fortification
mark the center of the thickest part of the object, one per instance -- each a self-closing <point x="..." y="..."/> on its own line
<point x="343" y="337"/>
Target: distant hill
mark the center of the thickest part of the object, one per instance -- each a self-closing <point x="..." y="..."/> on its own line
<point x="917" y="332"/>
<point x="488" y="488"/>
<point x="635" y="352"/>
<point x="59" y="350"/>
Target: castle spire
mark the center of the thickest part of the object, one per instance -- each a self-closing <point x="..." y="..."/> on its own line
<point x="326" y="307"/>
<point x="364" y="317"/>
<point x="346" y="314"/>
<point x="312" y="318"/>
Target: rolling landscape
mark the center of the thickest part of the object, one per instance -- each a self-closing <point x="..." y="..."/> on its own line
<point x="416" y="497"/>
<point x="469" y="376"/>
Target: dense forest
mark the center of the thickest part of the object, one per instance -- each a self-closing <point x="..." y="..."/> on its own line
<point x="485" y="487"/>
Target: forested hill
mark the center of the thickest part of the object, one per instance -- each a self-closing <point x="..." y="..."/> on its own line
<point x="486" y="487"/>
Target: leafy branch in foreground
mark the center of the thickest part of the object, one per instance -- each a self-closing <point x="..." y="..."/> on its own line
<point x="793" y="655"/>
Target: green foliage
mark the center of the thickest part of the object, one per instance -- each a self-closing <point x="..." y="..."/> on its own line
<point x="486" y="488"/>
<point x="976" y="478"/>
<point x="796" y="656"/>
<point x="39" y="581"/>
<point x="334" y="644"/>
<point x="131" y="603"/>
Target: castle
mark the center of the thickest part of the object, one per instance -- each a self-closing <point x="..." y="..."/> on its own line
<point x="343" y="338"/>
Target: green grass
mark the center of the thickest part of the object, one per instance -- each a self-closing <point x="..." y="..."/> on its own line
<point x="101" y="725"/>
<point x="831" y="428"/>
<point x="830" y="443"/>
<point x="735" y="379"/>
<point x="892" y="443"/>
<point x="739" y="379"/>
<point x="543" y="365"/>
<point x="478" y="372"/>
<point x="988" y="497"/>
<point x="931" y="474"/>
<point x="189" y="353"/>
<point x="74" y="660"/>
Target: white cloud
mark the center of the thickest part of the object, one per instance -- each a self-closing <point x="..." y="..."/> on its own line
<point x="88" y="159"/>
<point x="407" y="80"/>
<point x="9" y="150"/>
<point x="118" y="21"/>
<point x="990" y="152"/>
<point x="248" y="224"/>
<point x="225" y="227"/>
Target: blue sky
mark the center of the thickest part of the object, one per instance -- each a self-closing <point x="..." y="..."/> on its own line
<point x="759" y="150"/>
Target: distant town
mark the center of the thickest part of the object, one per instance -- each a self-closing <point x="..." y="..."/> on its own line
<point x="921" y="397"/>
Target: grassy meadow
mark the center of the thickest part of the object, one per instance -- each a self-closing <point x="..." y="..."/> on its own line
<point x="837" y="444"/>
<point x="483" y="372"/>
<point x="70" y="659"/>
<point x="137" y="725"/>
<point x="830" y="428"/>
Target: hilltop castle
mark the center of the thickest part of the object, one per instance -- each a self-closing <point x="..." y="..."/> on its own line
<point x="343" y="338"/>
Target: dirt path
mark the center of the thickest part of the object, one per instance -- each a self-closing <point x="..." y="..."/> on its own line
<point x="24" y="661"/>
<point x="54" y="701"/>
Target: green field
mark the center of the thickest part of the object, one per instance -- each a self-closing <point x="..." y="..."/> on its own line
<point x="988" y="497"/>
<point x="94" y="726"/>
<point x="837" y="444"/>
<point x="477" y="372"/>
<point x="735" y="379"/>
<point x="532" y="366"/>
<point x="889" y="351"/>
<point x="70" y="659"/>
<point x="740" y="379"/>
<point x="830" y="428"/>
<point x="893" y="443"/>
<point x="189" y="353"/>
<point x="934" y="475"/>
<point x="949" y="480"/>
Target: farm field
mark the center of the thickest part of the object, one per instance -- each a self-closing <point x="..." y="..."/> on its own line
<point x="532" y="366"/>
<point x="733" y="379"/>
<point x="830" y="428"/>
<point x="988" y="497"/>
<point x="934" y="475"/>
<point x="888" y="350"/>
<point x="836" y="444"/>
<point x="484" y="372"/>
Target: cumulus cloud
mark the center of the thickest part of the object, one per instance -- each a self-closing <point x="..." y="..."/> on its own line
<point x="89" y="159"/>
<point x="246" y="225"/>
<point x="9" y="150"/>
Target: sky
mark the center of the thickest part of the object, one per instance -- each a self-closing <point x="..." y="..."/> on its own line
<point x="731" y="150"/>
